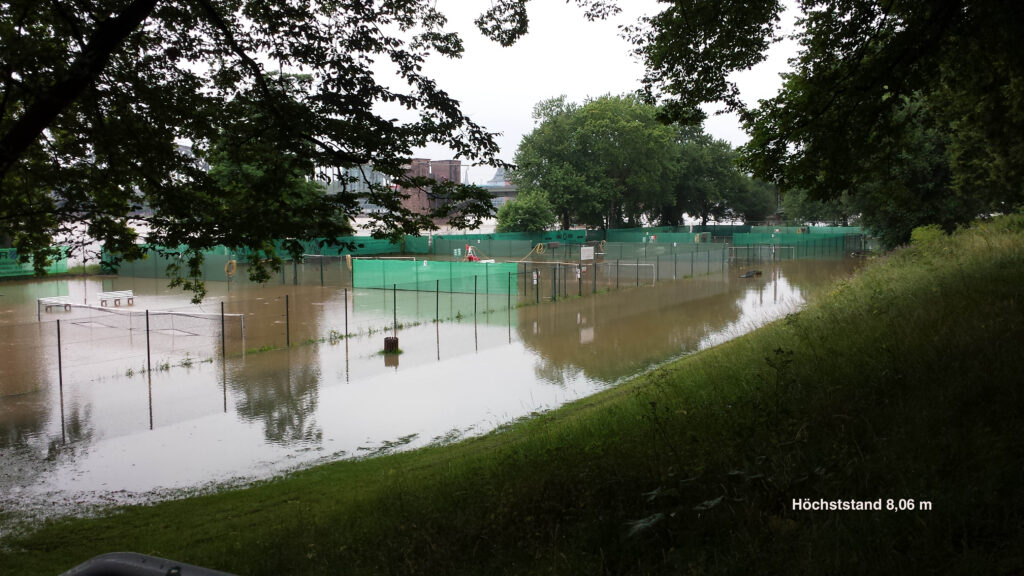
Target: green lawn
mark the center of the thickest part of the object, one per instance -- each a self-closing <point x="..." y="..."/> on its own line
<point x="904" y="383"/>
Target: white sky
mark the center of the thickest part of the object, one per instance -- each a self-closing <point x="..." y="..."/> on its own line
<point x="563" y="53"/>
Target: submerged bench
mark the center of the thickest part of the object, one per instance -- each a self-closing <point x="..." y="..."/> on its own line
<point x="49" y="303"/>
<point x="116" y="296"/>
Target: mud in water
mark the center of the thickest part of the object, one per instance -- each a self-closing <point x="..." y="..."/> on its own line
<point x="119" y="413"/>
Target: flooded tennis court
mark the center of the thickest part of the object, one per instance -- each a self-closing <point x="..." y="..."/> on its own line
<point x="121" y="413"/>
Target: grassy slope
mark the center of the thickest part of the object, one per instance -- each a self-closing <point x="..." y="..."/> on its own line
<point x="904" y="383"/>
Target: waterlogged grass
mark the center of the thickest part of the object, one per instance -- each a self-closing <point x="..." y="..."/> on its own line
<point x="903" y="384"/>
<point x="335" y="337"/>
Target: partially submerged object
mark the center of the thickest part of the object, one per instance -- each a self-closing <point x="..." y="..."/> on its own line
<point x="473" y="255"/>
<point x="750" y="274"/>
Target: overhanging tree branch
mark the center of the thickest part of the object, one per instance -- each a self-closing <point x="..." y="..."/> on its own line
<point x="90" y="63"/>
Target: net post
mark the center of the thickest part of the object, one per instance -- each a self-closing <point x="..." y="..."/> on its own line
<point x="287" y="324"/>
<point x="346" y="313"/>
<point x="475" y="278"/>
<point x="223" y="333"/>
<point x="554" y="284"/>
<point x="394" y="308"/>
<point x="437" y="300"/>
<point x="149" y="358"/>
<point x="321" y="271"/>
<point x="60" y="383"/>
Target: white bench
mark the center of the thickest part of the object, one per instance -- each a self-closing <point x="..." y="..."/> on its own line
<point x="116" y="297"/>
<point x="49" y="303"/>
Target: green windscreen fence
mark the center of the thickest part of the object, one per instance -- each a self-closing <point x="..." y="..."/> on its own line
<point x="817" y="230"/>
<point x="507" y="245"/>
<point x="11" y="268"/>
<point x="633" y="250"/>
<point x="354" y="245"/>
<point x="426" y="275"/>
<point x="666" y="233"/>
<point x="504" y="248"/>
<point x="763" y="245"/>
<point x="154" y="264"/>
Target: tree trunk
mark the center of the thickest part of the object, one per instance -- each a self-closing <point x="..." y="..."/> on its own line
<point x="44" y="109"/>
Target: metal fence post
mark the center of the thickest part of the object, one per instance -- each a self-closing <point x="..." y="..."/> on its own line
<point x="223" y="333"/>
<point x="149" y="360"/>
<point x="554" y="283"/>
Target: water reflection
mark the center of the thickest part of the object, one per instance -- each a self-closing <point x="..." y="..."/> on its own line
<point x="609" y="337"/>
<point x="261" y="410"/>
<point x="283" y="399"/>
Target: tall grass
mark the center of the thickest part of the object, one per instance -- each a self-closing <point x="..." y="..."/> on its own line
<point x="904" y="383"/>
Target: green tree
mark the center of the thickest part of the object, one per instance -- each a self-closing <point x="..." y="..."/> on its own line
<point x="601" y="164"/>
<point x="754" y="201"/>
<point x="843" y="106"/>
<point x="908" y="182"/>
<point x="707" y="184"/>
<point x="704" y="174"/>
<point x="94" y="94"/>
<point x="797" y="206"/>
<point x="528" y="212"/>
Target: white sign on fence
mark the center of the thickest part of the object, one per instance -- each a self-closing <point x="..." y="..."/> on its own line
<point x="586" y="252"/>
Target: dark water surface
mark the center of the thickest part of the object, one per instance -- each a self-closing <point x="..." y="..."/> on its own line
<point x="102" y="428"/>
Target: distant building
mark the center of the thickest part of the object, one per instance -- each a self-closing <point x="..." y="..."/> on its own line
<point x="418" y="168"/>
<point x="357" y="180"/>
<point x="446" y="170"/>
<point x="439" y="170"/>
<point x="419" y="199"/>
<point x="501" y="189"/>
<point x="499" y="178"/>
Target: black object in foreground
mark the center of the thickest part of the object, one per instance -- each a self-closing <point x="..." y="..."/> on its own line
<point x="132" y="564"/>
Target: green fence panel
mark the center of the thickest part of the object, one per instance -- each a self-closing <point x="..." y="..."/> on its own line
<point x="721" y="229"/>
<point x="670" y="233"/>
<point x="448" y="247"/>
<point x="417" y="245"/>
<point x="788" y="239"/>
<point x="11" y="268"/>
<point x="782" y="246"/>
<point x="565" y="236"/>
<point x="428" y="276"/>
<point x="354" y="245"/>
<point x="818" y="230"/>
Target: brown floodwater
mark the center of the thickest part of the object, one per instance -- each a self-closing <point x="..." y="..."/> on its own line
<point x="119" y="413"/>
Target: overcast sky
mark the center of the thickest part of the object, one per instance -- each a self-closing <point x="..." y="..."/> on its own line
<point x="563" y="53"/>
